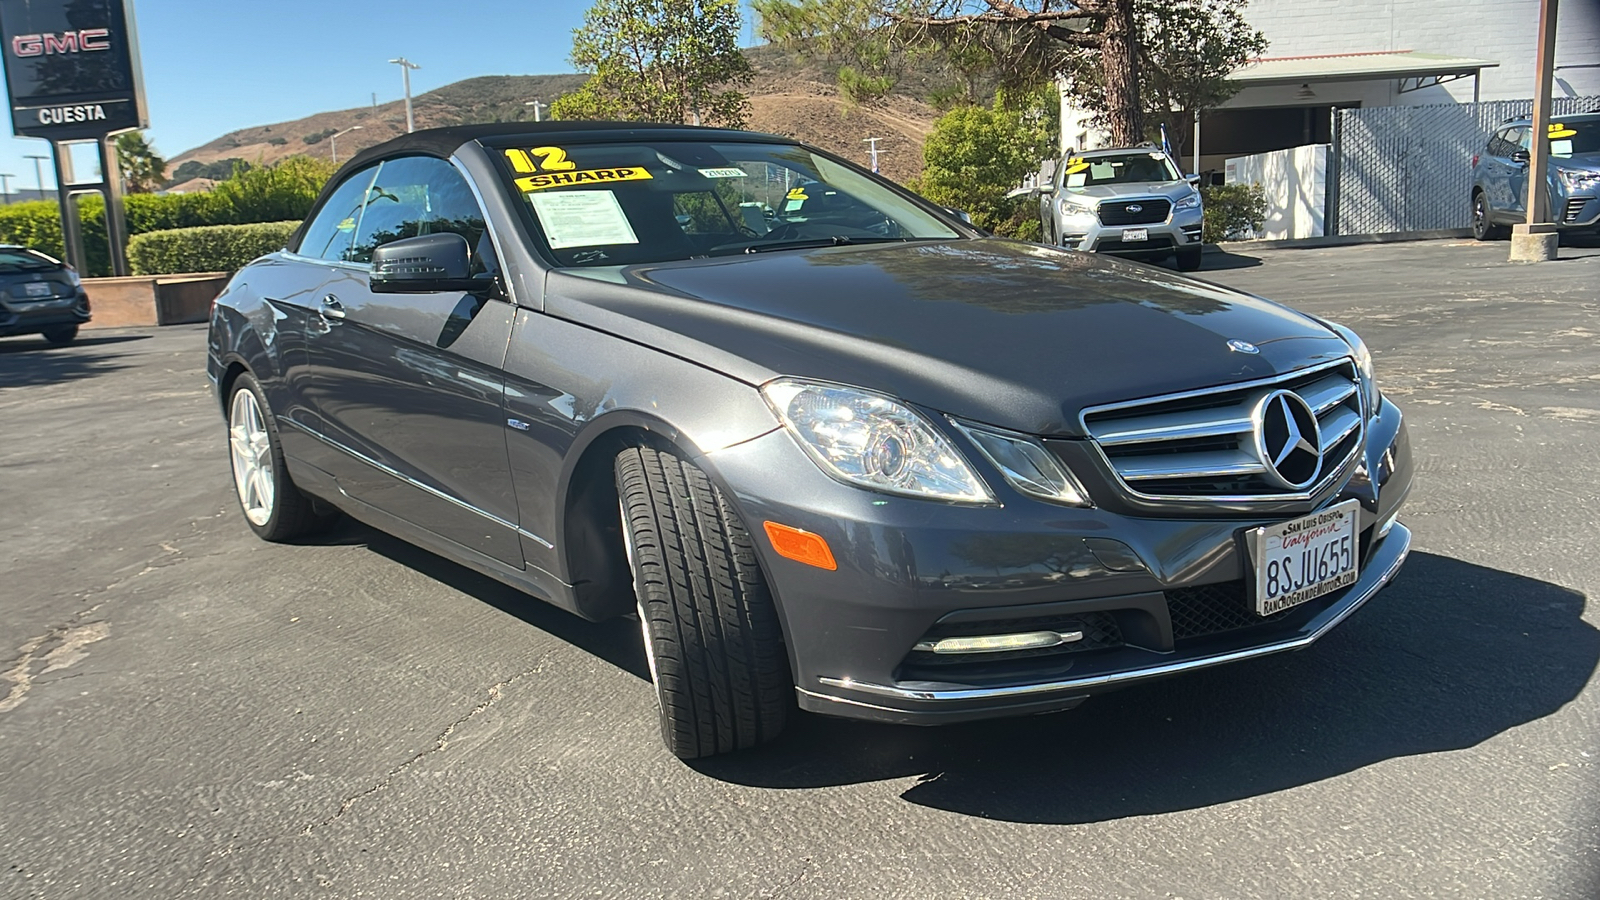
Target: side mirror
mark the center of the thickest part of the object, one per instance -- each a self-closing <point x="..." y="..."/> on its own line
<point x="958" y="213"/>
<point x="1192" y="179"/>
<point x="1519" y="155"/>
<point x="426" y="264"/>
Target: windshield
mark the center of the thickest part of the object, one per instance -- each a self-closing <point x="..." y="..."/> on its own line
<point x="1567" y="138"/>
<point x="618" y="204"/>
<point x="1127" y="168"/>
<point x="17" y="259"/>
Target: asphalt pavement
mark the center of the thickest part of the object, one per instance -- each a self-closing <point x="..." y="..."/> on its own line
<point x="186" y="711"/>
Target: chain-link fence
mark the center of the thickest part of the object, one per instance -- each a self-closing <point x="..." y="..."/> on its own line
<point x="1409" y="168"/>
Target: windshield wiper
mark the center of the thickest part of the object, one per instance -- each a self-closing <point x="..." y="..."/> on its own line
<point x="836" y="240"/>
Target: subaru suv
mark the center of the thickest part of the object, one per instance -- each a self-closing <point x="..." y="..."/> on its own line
<point x="1500" y="177"/>
<point x="40" y="294"/>
<point x="1131" y="202"/>
<point x="856" y="457"/>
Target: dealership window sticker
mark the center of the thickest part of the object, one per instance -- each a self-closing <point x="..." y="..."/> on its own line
<point x="582" y="219"/>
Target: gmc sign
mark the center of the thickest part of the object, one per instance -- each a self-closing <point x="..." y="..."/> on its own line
<point x="87" y="40"/>
<point x="68" y="82"/>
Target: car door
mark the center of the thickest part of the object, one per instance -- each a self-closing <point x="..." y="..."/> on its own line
<point x="1517" y="175"/>
<point x="409" y="386"/>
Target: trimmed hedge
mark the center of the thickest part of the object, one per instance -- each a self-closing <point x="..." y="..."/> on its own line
<point x="1233" y="212"/>
<point x="210" y="248"/>
<point x="253" y="194"/>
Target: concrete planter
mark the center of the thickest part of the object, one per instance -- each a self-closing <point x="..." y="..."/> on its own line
<point x="153" y="299"/>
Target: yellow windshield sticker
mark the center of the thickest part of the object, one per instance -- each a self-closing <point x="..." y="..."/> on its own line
<point x="539" y="159"/>
<point x="347" y="225"/>
<point x="797" y="194"/>
<point x="574" y="179"/>
<point x="1077" y="167"/>
<point x="1558" y="130"/>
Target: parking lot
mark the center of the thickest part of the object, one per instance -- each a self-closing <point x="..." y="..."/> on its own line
<point x="188" y="711"/>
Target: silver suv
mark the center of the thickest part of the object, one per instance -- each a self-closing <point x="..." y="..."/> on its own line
<point x="1131" y="202"/>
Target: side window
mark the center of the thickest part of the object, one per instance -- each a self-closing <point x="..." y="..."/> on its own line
<point x="416" y="195"/>
<point x="329" y="233"/>
<point x="1519" y="137"/>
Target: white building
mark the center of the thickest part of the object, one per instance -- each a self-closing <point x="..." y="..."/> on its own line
<point x="1357" y="53"/>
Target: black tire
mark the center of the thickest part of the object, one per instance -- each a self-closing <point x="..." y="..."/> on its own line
<point x="61" y="335"/>
<point x="1483" y="227"/>
<point x="710" y="627"/>
<point x="289" y="513"/>
<point x="1190" y="258"/>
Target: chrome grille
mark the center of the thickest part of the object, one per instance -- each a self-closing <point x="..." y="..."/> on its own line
<point x="1202" y="445"/>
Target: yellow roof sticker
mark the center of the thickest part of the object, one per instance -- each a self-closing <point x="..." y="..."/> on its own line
<point x="544" y="180"/>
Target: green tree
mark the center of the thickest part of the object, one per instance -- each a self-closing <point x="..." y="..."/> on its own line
<point x="975" y="154"/>
<point x="1124" y="57"/>
<point x="660" y="61"/>
<point x="142" y="170"/>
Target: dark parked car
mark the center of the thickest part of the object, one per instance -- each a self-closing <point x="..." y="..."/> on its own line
<point x="40" y="294"/>
<point x="1500" y="177"/>
<point x="827" y="441"/>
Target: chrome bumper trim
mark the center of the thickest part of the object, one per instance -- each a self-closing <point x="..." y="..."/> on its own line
<point x="1396" y="546"/>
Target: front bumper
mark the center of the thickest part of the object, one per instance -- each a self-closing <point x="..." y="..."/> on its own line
<point x="907" y="566"/>
<point x="1181" y="229"/>
<point x="32" y="317"/>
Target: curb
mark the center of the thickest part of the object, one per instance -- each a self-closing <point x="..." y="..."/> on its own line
<point x="1341" y="240"/>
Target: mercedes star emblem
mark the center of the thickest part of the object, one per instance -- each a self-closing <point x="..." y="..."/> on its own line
<point x="1288" y="440"/>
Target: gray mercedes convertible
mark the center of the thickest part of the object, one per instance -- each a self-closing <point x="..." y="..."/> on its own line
<point x="832" y="446"/>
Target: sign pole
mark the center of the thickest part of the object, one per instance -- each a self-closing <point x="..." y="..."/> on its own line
<point x="1537" y="240"/>
<point x="67" y="201"/>
<point x="116" y="218"/>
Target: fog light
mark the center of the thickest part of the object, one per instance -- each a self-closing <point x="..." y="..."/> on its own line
<point x="999" y="643"/>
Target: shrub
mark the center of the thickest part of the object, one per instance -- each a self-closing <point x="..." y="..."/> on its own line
<point x="277" y="141"/>
<point x="976" y="154"/>
<point x="212" y="248"/>
<point x="270" y="193"/>
<point x="1233" y="211"/>
<point x="316" y="137"/>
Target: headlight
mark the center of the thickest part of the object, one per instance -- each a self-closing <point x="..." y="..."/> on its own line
<point x="1077" y="212"/>
<point x="1576" y="180"/>
<point x="1369" y="384"/>
<point x="867" y="439"/>
<point x="1029" y="467"/>
<point x="1190" y="202"/>
<point x="72" y="276"/>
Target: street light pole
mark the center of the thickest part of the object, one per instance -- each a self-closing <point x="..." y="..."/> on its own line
<point x="38" y="171"/>
<point x="5" y="185"/>
<point x="874" y="144"/>
<point x="536" y="107"/>
<point x="333" y="147"/>
<point x="406" y="66"/>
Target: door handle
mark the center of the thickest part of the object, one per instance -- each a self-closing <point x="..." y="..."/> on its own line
<point x="332" y="308"/>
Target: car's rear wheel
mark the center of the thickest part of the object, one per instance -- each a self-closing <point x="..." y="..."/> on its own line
<point x="709" y="623"/>
<point x="274" y="508"/>
<point x="1483" y="227"/>
<point x="1189" y="259"/>
<point x="61" y="335"/>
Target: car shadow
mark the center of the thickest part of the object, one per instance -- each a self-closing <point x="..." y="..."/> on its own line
<point x="26" y="361"/>
<point x="1451" y="655"/>
<point x="1218" y="260"/>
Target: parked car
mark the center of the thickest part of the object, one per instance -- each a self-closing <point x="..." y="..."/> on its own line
<point x="1500" y="177"/>
<point x="40" y="294"/>
<point x="852" y="454"/>
<point x="1130" y="202"/>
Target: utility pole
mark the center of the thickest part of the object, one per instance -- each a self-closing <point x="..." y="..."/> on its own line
<point x="374" y="99"/>
<point x="1536" y="240"/>
<point x="874" y="144"/>
<point x="38" y="171"/>
<point x="406" y="66"/>
<point x="333" y="148"/>
<point x="536" y="107"/>
<point x="5" y="185"/>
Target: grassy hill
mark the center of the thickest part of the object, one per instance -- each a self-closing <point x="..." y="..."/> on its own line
<point x="789" y="96"/>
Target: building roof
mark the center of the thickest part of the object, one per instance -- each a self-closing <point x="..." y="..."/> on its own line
<point x="1375" y="66"/>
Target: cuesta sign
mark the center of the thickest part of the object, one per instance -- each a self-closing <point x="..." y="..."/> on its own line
<point x="72" y="68"/>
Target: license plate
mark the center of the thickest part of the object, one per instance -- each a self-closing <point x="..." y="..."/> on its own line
<point x="37" y="289"/>
<point x="1302" y="559"/>
<point x="1135" y="234"/>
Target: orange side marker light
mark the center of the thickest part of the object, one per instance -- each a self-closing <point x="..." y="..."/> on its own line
<point x="800" y="546"/>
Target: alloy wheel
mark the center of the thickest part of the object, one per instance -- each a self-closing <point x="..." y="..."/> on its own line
<point x="250" y="448"/>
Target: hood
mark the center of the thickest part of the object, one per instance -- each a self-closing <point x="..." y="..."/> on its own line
<point x="1582" y="162"/>
<point x="1016" y="335"/>
<point x="1173" y="190"/>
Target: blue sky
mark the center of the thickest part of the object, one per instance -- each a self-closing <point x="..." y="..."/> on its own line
<point x="211" y="67"/>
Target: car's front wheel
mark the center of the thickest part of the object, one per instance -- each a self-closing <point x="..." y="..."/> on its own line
<point x="1189" y="259"/>
<point x="710" y="626"/>
<point x="1483" y="227"/>
<point x="272" y="505"/>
